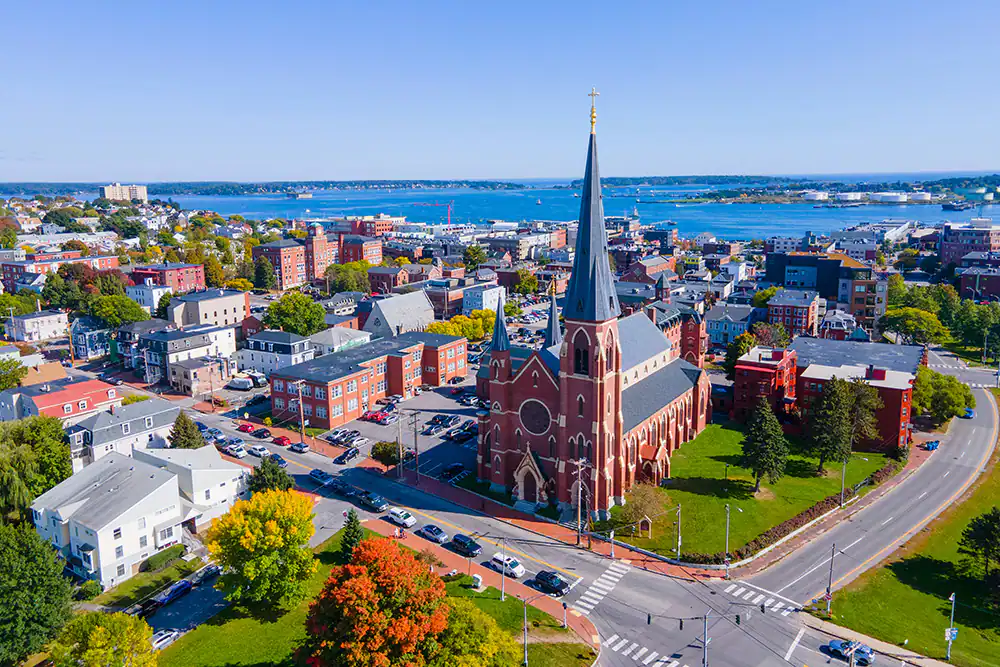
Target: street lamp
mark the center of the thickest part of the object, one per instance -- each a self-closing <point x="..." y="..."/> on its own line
<point x="525" y="602"/>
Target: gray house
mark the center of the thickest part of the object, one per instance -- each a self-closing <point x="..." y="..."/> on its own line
<point x="122" y="430"/>
<point x="725" y="321"/>
<point x="399" y="314"/>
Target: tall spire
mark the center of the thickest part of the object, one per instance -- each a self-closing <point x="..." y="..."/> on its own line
<point x="501" y="341"/>
<point x="591" y="295"/>
<point x="553" y="334"/>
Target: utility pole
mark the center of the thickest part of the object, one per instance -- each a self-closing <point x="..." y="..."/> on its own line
<point x="704" y="642"/>
<point x="399" y="444"/>
<point x="302" y="416"/>
<point x="416" y="453"/>
<point x="211" y="387"/>
<point x="951" y="624"/>
<point x="829" y="585"/>
<point x="72" y="353"/>
<point x="843" y="481"/>
<point x="503" y="569"/>
<point x="579" y="501"/>
<point x="727" y="541"/>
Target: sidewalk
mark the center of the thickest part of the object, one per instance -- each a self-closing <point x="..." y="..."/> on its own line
<point x="906" y="656"/>
<point x="578" y="623"/>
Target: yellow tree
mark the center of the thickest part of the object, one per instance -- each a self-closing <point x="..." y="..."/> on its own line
<point x="262" y="546"/>
<point x="104" y="640"/>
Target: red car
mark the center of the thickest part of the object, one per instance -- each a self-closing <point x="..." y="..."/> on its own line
<point x="368" y="416"/>
<point x="282" y="440"/>
<point x="245" y="428"/>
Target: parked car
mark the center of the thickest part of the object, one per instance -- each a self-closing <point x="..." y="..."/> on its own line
<point x="161" y="639"/>
<point x="434" y="534"/>
<point x="245" y="428"/>
<point x="374" y="501"/>
<point x="342" y="488"/>
<point x="451" y="420"/>
<point x="452" y="470"/>
<point x="206" y="573"/>
<point x="359" y="441"/>
<point x="261" y="433"/>
<point x="455" y="391"/>
<point x="236" y="441"/>
<point x="236" y="451"/>
<point x="433" y="429"/>
<point x="390" y="418"/>
<point x="298" y="447"/>
<point x="863" y="655"/>
<point x="401" y="517"/>
<point x="321" y="477"/>
<point x="347" y="456"/>
<point x="282" y="441"/>
<point x="259" y="450"/>
<point x="464" y="436"/>
<point x="176" y="590"/>
<point x="257" y="398"/>
<point x="240" y="384"/>
<point x="507" y="565"/>
<point x="456" y="380"/>
<point x="466" y="546"/>
<point x="201" y="427"/>
<point x="551" y="583"/>
<point x="969" y="413"/>
<point x="368" y="415"/>
<point x="213" y="432"/>
<point x="143" y="609"/>
<point x="282" y="463"/>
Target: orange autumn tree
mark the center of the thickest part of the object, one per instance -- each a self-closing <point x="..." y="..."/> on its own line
<point x="383" y="609"/>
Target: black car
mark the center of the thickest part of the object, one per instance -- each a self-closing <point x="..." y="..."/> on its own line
<point x="451" y="470"/>
<point x="464" y="436"/>
<point x="342" y="488"/>
<point x="258" y="398"/>
<point x="261" y="433"/>
<point x="433" y="429"/>
<point x="205" y="574"/>
<point x="374" y="501"/>
<point x="466" y="546"/>
<point x="143" y="609"/>
<point x="551" y="583"/>
<point x="452" y="420"/>
<point x="349" y="455"/>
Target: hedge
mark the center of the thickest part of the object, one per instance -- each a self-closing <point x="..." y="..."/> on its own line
<point x="160" y="560"/>
<point x="784" y="528"/>
<point x="89" y="590"/>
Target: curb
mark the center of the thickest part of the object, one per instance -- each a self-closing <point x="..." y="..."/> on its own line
<point x="886" y="649"/>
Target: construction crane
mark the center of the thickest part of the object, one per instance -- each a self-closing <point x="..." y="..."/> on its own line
<point x="450" y="206"/>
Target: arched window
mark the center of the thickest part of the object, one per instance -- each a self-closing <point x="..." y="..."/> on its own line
<point x="579" y="406"/>
<point x="534" y="379"/>
<point x="581" y="362"/>
<point x="552" y="447"/>
<point x="517" y="438"/>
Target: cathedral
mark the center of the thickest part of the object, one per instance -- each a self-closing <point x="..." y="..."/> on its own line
<point x="602" y="405"/>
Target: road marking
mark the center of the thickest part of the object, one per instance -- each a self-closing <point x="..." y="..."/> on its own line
<point x="791" y="649"/>
<point x="777" y="595"/>
<point x="639" y="653"/>
<point x="631" y="648"/>
<point x="612" y="575"/>
<point x="739" y="591"/>
<point x="946" y="474"/>
<point x="887" y="521"/>
<point x="611" y="639"/>
<point x="777" y="606"/>
<point x="601" y="586"/>
<point x="749" y="595"/>
<point x="757" y="599"/>
<point x="608" y="580"/>
<point x="621" y="569"/>
<point x="767" y="603"/>
<point x="576" y="609"/>
<point x="618" y="646"/>
<point x="851" y="544"/>
<point x="674" y="663"/>
<point x="650" y="658"/>
<point x="585" y="605"/>
<point x="729" y="588"/>
<point x="806" y="574"/>
<point x="592" y="598"/>
<point x="786" y="612"/>
<point x="921" y="495"/>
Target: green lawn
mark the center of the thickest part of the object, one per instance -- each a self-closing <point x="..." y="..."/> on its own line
<point x="971" y="355"/>
<point x="144" y="584"/>
<point x="470" y="483"/>
<point x="907" y="598"/>
<point x="698" y="483"/>
<point x="233" y="638"/>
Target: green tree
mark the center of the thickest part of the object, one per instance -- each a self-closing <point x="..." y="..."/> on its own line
<point x="297" y="313"/>
<point x="511" y="309"/>
<point x="863" y="411"/>
<point x="527" y="283"/>
<point x="473" y="638"/>
<point x="263" y="274"/>
<point x="105" y="640"/>
<point x="350" y="277"/>
<point x="8" y="237"/>
<point x="163" y="306"/>
<point x="896" y="291"/>
<point x="915" y="326"/>
<point x="981" y="539"/>
<point x="74" y="244"/>
<point x="215" y="275"/>
<point x="239" y="284"/>
<point x="737" y="348"/>
<point x="829" y="428"/>
<point x="34" y="457"/>
<point x="134" y="398"/>
<point x="37" y="598"/>
<point x="386" y="452"/>
<point x="940" y="396"/>
<point x="117" y="310"/>
<point x="771" y="335"/>
<point x="351" y="537"/>
<point x="761" y="298"/>
<point x="765" y="448"/>
<point x="12" y="371"/>
<point x="184" y="434"/>
<point x="262" y="546"/>
<point x="473" y="256"/>
<point x="269" y="476"/>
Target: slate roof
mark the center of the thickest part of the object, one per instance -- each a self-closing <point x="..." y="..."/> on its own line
<point x="904" y="358"/>
<point x="732" y="312"/>
<point x="206" y="295"/>
<point x="103" y="490"/>
<point x="640" y="339"/>
<point x="37" y="315"/>
<point x="386" y="270"/>
<point x="403" y="312"/>
<point x="167" y="266"/>
<point x="275" y="336"/>
<point x="630" y="292"/>
<point x="87" y="324"/>
<point x="330" y="367"/>
<point x="105" y="427"/>
<point x="646" y="397"/>
<point x="281" y="243"/>
<point x="500" y="341"/>
<point x="791" y="297"/>
<point x="553" y="332"/>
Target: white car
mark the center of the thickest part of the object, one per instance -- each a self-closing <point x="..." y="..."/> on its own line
<point x="259" y="450"/>
<point x="236" y="451"/>
<point x="163" y="638"/>
<point x="401" y="517"/>
<point x="507" y="565"/>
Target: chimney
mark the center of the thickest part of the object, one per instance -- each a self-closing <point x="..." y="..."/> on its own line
<point x="651" y="313"/>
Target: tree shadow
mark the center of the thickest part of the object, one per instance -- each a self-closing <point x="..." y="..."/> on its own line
<point x="939" y="579"/>
<point x="800" y="468"/>
<point x="731" y="459"/>
<point x="737" y="489"/>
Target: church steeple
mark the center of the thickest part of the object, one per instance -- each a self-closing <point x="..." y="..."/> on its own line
<point x="553" y="334"/>
<point x="501" y="341"/>
<point x="591" y="295"/>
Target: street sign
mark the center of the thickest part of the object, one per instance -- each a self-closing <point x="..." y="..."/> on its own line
<point x="950" y="634"/>
<point x="828" y="596"/>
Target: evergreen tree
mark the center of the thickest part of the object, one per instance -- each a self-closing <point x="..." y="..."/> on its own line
<point x="865" y="403"/>
<point x="269" y="476"/>
<point x="353" y="534"/>
<point x="765" y="449"/>
<point x="184" y="434"/>
<point x="263" y="274"/>
<point x="981" y="539"/>
<point x="830" y="423"/>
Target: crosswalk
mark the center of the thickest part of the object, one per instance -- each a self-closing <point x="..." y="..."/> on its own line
<point x="600" y="587"/>
<point x="954" y="367"/>
<point x="750" y="595"/>
<point x="980" y="385"/>
<point x="641" y="654"/>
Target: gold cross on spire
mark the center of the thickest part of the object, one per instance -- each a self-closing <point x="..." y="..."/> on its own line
<point x="593" y="109"/>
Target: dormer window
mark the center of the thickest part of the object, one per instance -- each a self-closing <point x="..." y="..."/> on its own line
<point x="126" y="428"/>
<point x="68" y="408"/>
<point x="83" y="405"/>
<point x="112" y="393"/>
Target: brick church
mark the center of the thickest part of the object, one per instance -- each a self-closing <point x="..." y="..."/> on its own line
<point x="603" y="404"/>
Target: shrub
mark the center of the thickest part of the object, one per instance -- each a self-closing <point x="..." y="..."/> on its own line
<point x="89" y="590"/>
<point x="160" y="560"/>
<point x="386" y="452"/>
<point x="267" y="422"/>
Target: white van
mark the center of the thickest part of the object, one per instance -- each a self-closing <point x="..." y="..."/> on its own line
<point x="507" y="565"/>
<point x="241" y="384"/>
<point x="401" y="517"/>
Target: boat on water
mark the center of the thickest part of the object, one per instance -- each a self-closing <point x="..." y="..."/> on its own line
<point x="299" y="195"/>
<point x="957" y="206"/>
<point x="671" y="223"/>
<point x="576" y="194"/>
<point x="538" y="202"/>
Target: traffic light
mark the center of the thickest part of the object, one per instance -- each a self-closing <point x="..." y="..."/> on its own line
<point x="649" y="619"/>
<point x="682" y="623"/>
<point x="763" y="609"/>
<point x="737" y="619"/>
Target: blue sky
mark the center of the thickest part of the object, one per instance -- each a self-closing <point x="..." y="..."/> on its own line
<point x="138" y="91"/>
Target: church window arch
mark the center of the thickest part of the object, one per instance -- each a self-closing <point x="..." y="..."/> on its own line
<point x="496" y="406"/>
<point x="534" y="379"/>
<point x="581" y="360"/>
<point x="579" y="406"/>
<point x="552" y="446"/>
<point x="517" y="439"/>
<point x="496" y="464"/>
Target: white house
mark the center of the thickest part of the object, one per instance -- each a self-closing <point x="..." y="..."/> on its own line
<point x="33" y="327"/>
<point x="481" y="297"/>
<point x="209" y="485"/>
<point x="110" y="517"/>
<point x="123" y="430"/>
<point x="148" y="295"/>
<point x="268" y="351"/>
<point x="336" y="339"/>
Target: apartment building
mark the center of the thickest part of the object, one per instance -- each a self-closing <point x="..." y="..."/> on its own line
<point x="797" y="310"/>
<point x="960" y="238"/>
<point x="39" y="264"/>
<point x="70" y="400"/>
<point x="121" y="430"/>
<point x="36" y="327"/>
<point x="148" y="294"/>
<point x="355" y="248"/>
<point x="288" y="257"/>
<point x="119" y="192"/>
<point x="215" y="307"/>
<point x="267" y="351"/>
<point x="177" y="276"/>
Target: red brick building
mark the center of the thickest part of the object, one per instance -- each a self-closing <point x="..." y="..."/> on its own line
<point x="384" y="279"/>
<point x="798" y="310"/>
<point x="179" y="277"/>
<point x="13" y="271"/>
<point x="377" y="225"/>
<point x="320" y="252"/>
<point x="649" y="269"/>
<point x="764" y="373"/>
<point x="357" y="248"/>
<point x="288" y="257"/>
<point x="338" y="388"/>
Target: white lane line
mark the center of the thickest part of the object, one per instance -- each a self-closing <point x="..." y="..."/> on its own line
<point x="650" y="658"/>
<point x="602" y="588"/>
<point x="961" y="455"/>
<point x="767" y="603"/>
<point x="804" y="574"/>
<point x="851" y="544"/>
<point x="749" y="595"/>
<point x="591" y="598"/>
<point x="739" y="591"/>
<point x="673" y="664"/>
<point x="610" y="640"/>
<point x="887" y="520"/>
<point x="777" y="606"/>
<point x="776" y="595"/>
<point x="607" y="583"/>
<point x="946" y="474"/>
<point x="611" y="575"/>
<point x="639" y="653"/>
<point x="795" y="643"/>
<point x="631" y="648"/>
<point x="585" y="612"/>
<point x="618" y="567"/>
<point x="586" y="605"/>
<point x="617" y="647"/>
<point x="757" y="599"/>
<point x="921" y="495"/>
<point x="787" y="612"/>
<point x="729" y="588"/>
